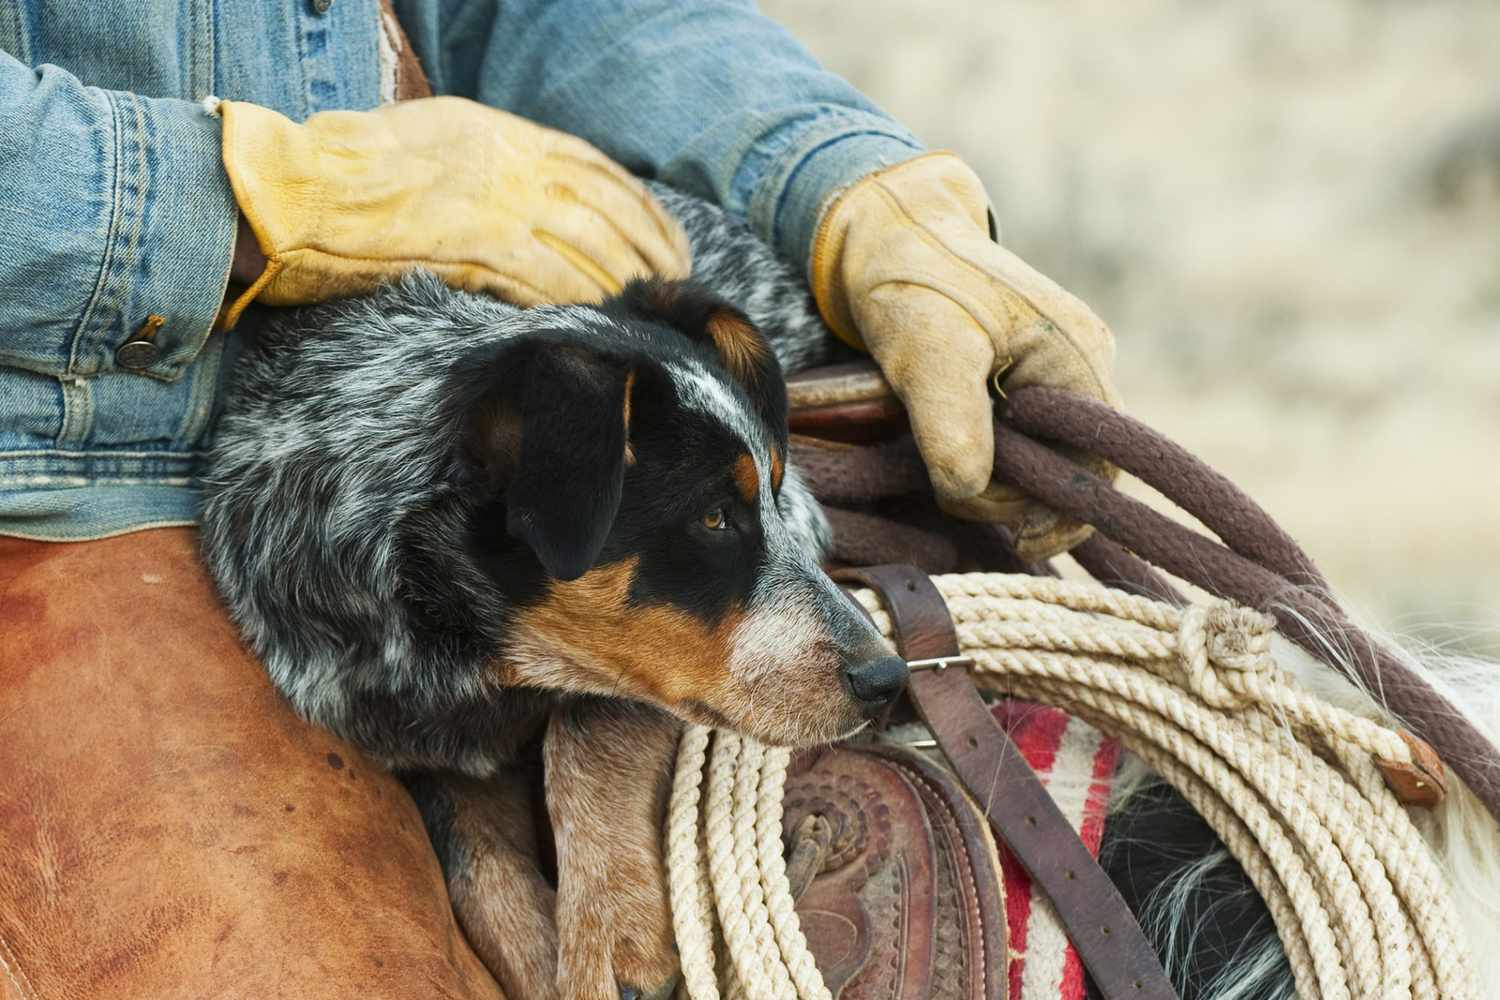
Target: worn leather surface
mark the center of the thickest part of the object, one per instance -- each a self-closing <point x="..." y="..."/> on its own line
<point x="970" y="936"/>
<point x="169" y="827"/>
<point x="1119" y="958"/>
<point x="868" y="912"/>
<point x="907" y="903"/>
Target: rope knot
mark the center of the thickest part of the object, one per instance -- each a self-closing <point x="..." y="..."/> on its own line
<point x="1225" y="650"/>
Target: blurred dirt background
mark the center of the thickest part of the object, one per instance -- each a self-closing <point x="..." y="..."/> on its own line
<point x="1288" y="212"/>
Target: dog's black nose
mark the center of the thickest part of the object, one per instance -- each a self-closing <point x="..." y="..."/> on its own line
<point x="876" y="683"/>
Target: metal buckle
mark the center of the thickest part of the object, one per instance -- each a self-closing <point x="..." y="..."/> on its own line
<point x="940" y="663"/>
<point x="935" y="663"/>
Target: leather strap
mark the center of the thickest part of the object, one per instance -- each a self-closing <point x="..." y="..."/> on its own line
<point x="1110" y="943"/>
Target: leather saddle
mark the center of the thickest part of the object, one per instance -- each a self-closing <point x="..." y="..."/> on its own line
<point x="896" y="876"/>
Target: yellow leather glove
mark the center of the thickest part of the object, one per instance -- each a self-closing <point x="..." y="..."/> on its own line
<point x="486" y="200"/>
<point x="903" y="266"/>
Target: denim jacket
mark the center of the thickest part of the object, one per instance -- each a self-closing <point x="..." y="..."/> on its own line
<point x="114" y="206"/>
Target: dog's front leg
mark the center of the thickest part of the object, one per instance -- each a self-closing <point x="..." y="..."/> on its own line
<point x="608" y="776"/>
<point x="484" y="832"/>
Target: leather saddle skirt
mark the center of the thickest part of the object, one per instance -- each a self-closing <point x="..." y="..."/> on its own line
<point x="896" y="876"/>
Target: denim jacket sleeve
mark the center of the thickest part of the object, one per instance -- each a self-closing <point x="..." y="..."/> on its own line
<point x="113" y="208"/>
<point x="708" y="95"/>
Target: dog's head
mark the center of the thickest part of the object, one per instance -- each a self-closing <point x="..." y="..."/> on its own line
<point x="635" y="510"/>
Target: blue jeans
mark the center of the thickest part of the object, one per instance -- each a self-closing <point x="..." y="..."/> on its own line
<point x="114" y="206"/>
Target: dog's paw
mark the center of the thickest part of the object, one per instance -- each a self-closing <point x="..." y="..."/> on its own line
<point x="643" y="951"/>
<point x="614" y="924"/>
<point x="662" y="992"/>
<point x="607" y="787"/>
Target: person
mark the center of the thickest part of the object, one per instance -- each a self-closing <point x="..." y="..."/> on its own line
<point x="169" y="170"/>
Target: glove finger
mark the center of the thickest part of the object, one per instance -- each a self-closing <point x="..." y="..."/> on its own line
<point x="577" y="234"/>
<point x="1043" y="534"/>
<point x="543" y="276"/>
<point x="1053" y="337"/>
<point x="942" y="380"/>
<point x="1040" y="532"/>
<point x="1037" y="533"/>
<point x="997" y="504"/>
<point x="623" y="205"/>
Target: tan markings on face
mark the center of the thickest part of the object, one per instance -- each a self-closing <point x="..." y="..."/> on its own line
<point x="592" y="639"/>
<point x="778" y="469"/>
<point x="788" y="689"/>
<point x="740" y="345"/>
<point x="629" y="387"/>
<point x="746" y="479"/>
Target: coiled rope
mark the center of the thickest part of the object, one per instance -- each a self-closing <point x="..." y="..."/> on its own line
<point x="1289" y="782"/>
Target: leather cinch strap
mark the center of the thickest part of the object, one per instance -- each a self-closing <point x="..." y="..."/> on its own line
<point x="1110" y="943"/>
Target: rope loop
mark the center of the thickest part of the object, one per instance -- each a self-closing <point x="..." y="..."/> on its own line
<point x="1225" y="651"/>
<point x="1288" y="780"/>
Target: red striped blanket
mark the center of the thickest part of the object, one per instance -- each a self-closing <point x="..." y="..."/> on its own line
<point x="1077" y="764"/>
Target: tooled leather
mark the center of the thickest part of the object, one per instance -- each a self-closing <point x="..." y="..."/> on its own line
<point x="868" y="912"/>
<point x="171" y="828"/>
<point x="1110" y="943"/>
<point x="971" y="937"/>
<point x="908" y="901"/>
<point x="15" y="985"/>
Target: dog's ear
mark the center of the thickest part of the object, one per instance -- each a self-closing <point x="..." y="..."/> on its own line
<point x="742" y="349"/>
<point x="550" y="439"/>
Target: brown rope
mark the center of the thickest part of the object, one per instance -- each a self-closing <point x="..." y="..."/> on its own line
<point x="847" y="473"/>
<point x="1169" y="468"/>
<point x="1258" y="565"/>
<point x="1115" y="567"/>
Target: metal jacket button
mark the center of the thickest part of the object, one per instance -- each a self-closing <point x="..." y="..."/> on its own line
<point x="140" y="351"/>
<point x="321" y="6"/>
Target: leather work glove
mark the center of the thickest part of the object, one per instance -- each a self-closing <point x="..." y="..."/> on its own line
<point x="486" y="200"/>
<point x="903" y="265"/>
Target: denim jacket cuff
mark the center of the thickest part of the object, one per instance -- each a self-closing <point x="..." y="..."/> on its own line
<point x="170" y="241"/>
<point x="806" y="167"/>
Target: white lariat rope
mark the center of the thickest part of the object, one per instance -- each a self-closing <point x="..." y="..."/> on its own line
<point x="1289" y="782"/>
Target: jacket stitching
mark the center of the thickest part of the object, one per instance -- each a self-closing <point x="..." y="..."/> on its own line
<point x="100" y="282"/>
<point x="201" y="52"/>
<point x="77" y="407"/>
<point x="135" y="209"/>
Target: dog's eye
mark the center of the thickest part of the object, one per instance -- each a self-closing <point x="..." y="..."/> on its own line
<point x="715" y="520"/>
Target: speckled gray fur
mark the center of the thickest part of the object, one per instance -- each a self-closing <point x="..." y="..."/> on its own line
<point x="328" y="510"/>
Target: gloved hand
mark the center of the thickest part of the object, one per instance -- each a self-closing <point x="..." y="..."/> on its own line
<point x="904" y="266"/>
<point x="484" y="199"/>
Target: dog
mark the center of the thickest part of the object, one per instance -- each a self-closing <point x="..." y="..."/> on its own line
<point x="478" y="540"/>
